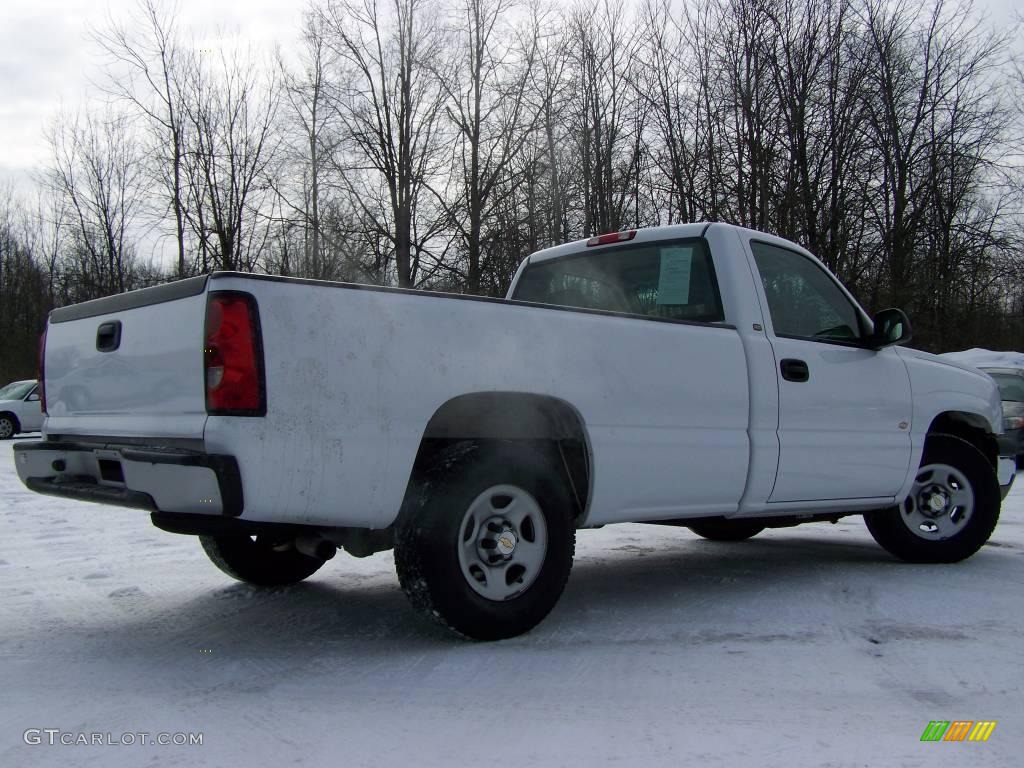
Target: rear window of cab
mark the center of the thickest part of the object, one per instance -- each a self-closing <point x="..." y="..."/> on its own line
<point x="671" y="280"/>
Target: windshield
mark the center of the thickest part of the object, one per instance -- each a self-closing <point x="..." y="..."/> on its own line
<point x="1011" y="387"/>
<point x="667" y="279"/>
<point x="16" y="390"/>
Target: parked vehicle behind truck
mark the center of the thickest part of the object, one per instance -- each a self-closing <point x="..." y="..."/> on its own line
<point x="1007" y="370"/>
<point x="1011" y="389"/>
<point x="19" y="408"/>
<point x="702" y="375"/>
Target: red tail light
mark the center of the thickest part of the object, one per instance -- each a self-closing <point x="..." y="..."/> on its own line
<point x="42" y="371"/>
<point x="612" y="237"/>
<point x="233" y="356"/>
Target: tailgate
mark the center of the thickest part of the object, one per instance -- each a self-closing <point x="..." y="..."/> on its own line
<point x="129" y="365"/>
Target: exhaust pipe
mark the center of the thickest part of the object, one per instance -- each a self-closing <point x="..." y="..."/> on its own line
<point x="313" y="545"/>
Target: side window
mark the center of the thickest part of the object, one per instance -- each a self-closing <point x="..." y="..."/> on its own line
<point x="803" y="299"/>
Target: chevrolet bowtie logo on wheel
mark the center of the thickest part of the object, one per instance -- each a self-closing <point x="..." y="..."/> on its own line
<point x="958" y="730"/>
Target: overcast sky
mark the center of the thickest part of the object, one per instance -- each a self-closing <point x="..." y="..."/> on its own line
<point x="46" y="57"/>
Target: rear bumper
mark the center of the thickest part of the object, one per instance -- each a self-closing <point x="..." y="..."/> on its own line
<point x="154" y="479"/>
<point x="1006" y="470"/>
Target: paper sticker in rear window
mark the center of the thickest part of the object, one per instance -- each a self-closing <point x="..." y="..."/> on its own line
<point x="674" y="278"/>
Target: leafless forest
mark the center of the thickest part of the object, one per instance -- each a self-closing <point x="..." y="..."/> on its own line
<point x="434" y="143"/>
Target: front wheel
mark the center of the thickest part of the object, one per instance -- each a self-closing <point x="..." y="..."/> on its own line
<point x="260" y="560"/>
<point x="485" y="543"/>
<point x="952" y="508"/>
<point x="7" y="427"/>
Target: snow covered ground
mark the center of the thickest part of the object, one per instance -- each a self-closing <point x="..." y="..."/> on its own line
<point x="806" y="646"/>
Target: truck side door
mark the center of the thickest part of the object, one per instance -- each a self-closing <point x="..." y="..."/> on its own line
<point x="844" y="409"/>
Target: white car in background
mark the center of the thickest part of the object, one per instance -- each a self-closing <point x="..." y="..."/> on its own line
<point x="20" y="410"/>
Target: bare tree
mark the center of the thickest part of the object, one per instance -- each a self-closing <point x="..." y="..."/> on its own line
<point x="98" y="172"/>
<point x="230" y="110"/>
<point x="389" y="102"/>
<point x="485" y="90"/>
<point x="821" y="195"/>
<point x="548" y="219"/>
<point x="606" y="115"/>
<point x="934" y="125"/>
<point x="145" y="69"/>
<point x="311" y="138"/>
<point x="24" y="298"/>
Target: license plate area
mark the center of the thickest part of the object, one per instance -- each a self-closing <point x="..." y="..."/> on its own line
<point x="108" y="467"/>
<point x="111" y="471"/>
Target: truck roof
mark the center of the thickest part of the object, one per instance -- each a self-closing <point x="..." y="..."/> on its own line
<point x="642" y="234"/>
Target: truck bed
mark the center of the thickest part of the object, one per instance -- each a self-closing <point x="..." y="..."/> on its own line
<point x="354" y="375"/>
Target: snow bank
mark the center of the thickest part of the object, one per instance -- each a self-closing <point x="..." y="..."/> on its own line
<point x="987" y="358"/>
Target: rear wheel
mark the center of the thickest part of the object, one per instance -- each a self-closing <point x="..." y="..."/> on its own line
<point x="485" y="543"/>
<point x="952" y="508"/>
<point x="261" y="559"/>
<point x="726" y="530"/>
<point x="8" y="427"/>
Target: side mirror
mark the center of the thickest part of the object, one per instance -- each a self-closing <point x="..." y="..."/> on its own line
<point x="892" y="326"/>
<point x="34" y="397"/>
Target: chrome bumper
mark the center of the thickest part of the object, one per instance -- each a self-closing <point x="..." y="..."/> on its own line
<point x="128" y="476"/>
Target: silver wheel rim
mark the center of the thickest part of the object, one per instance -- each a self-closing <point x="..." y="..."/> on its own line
<point x="6" y="428"/>
<point x="503" y="540"/>
<point x="940" y="504"/>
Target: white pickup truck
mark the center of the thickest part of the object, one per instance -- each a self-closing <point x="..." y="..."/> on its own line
<point x="700" y="375"/>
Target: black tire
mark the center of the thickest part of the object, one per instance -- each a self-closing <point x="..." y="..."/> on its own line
<point x="429" y="534"/>
<point x="726" y="530"/>
<point x="9" y="426"/>
<point x="891" y="529"/>
<point x="259" y="560"/>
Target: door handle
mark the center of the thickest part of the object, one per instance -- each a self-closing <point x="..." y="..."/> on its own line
<point x="108" y="336"/>
<point x="794" y="370"/>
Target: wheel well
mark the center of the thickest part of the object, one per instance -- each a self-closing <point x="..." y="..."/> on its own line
<point x="14" y="420"/>
<point x="969" y="427"/>
<point x="547" y="423"/>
